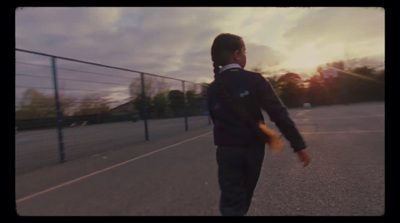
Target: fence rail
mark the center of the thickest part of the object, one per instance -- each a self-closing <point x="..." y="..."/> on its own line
<point x="65" y="94"/>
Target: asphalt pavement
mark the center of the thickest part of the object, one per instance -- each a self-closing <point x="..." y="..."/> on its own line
<point x="177" y="175"/>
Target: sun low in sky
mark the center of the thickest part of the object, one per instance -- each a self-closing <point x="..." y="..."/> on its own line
<point x="176" y="41"/>
<point x="304" y="57"/>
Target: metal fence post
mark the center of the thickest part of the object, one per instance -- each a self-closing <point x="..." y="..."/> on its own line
<point x="144" y="108"/>
<point x="58" y="112"/>
<point x="184" y="106"/>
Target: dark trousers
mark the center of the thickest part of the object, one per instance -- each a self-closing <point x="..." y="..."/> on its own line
<point x="238" y="171"/>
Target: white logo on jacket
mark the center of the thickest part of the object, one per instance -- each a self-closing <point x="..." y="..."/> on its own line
<point x="244" y="94"/>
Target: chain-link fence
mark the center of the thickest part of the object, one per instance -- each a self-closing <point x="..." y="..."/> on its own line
<point x="66" y="108"/>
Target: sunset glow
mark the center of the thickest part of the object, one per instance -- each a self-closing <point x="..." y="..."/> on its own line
<point x="306" y="56"/>
<point x="171" y="41"/>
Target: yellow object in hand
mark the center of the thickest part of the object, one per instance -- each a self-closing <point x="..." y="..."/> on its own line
<point x="275" y="143"/>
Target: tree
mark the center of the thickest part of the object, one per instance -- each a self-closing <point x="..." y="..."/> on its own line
<point x="365" y="71"/>
<point x="204" y="87"/>
<point x="275" y="84"/>
<point x="67" y="105"/>
<point x="292" y="89"/>
<point x="35" y="105"/>
<point x="380" y="76"/>
<point x="317" y="91"/>
<point x="176" y="102"/>
<point x="135" y="90"/>
<point x="355" y="85"/>
<point x="160" y="103"/>
<point x="138" y="104"/>
<point x="135" y="87"/>
<point x="193" y="103"/>
<point x="365" y="89"/>
<point x="91" y="105"/>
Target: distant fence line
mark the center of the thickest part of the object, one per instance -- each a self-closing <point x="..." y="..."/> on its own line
<point x="59" y="92"/>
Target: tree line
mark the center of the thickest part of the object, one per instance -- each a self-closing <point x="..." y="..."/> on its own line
<point x="365" y="85"/>
<point x="161" y="102"/>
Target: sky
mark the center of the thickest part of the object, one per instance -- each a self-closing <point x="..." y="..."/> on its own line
<point x="176" y="41"/>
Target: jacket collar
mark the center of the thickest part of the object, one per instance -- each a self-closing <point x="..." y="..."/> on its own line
<point x="229" y="66"/>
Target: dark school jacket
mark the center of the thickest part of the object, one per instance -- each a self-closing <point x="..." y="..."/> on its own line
<point x="253" y="92"/>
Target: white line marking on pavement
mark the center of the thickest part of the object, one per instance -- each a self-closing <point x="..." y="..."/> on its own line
<point x="105" y="169"/>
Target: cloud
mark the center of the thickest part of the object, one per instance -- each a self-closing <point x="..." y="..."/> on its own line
<point x="68" y="32"/>
<point x="353" y="27"/>
<point x="174" y="46"/>
<point x="153" y="40"/>
<point x="130" y="38"/>
<point x="70" y="22"/>
<point x="262" y="56"/>
<point x="176" y="41"/>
